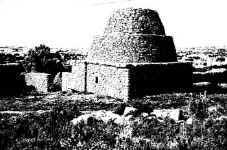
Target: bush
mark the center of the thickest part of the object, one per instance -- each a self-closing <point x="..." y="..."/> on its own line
<point x="41" y="60"/>
<point x="48" y="130"/>
<point x="95" y="134"/>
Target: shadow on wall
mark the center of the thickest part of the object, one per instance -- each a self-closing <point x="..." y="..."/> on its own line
<point x="15" y="81"/>
<point x="160" y="78"/>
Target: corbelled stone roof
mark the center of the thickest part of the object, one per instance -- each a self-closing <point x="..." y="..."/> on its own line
<point x="132" y="20"/>
<point x="133" y="35"/>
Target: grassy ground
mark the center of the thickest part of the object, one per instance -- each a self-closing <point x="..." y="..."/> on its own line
<point x="43" y="122"/>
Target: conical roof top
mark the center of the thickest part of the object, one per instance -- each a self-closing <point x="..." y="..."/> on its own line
<point x="135" y="20"/>
<point x="133" y="35"/>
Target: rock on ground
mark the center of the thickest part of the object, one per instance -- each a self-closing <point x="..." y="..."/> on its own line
<point x="129" y="110"/>
<point x="171" y="113"/>
<point x="102" y="115"/>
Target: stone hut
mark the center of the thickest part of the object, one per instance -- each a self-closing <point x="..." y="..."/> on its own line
<point x="132" y="58"/>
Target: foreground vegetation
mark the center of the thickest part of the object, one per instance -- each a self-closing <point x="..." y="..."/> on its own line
<point x="48" y="124"/>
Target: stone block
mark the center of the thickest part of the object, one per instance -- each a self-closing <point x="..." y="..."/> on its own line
<point x="67" y="81"/>
<point x="73" y="81"/>
<point x="155" y="78"/>
<point x="129" y="110"/>
<point x="171" y="113"/>
<point x="106" y="80"/>
<point x="40" y="81"/>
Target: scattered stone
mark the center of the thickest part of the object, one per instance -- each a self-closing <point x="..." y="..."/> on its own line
<point x="171" y="113"/>
<point x="189" y="121"/>
<point x="23" y="112"/>
<point x="31" y="97"/>
<point x="82" y="118"/>
<point x="51" y="96"/>
<point x="15" y="112"/>
<point x="200" y="84"/>
<point x="102" y="115"/>
<point x="212" y="108"/>
<point x="222" y="85"/>
<point x="217" y="70"/>
<point x="105" y="116"/>
<point x="216" y="108"/>
<point x="124" y="120"/>
<point x="222" y="118"/>
<point x="129" y="110"/>
<point x="144" y="114"/>
<point x="143" y="107"/>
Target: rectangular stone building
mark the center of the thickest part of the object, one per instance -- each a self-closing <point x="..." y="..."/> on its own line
<point x="126" y="81"/>
<point x="132" y="58"/>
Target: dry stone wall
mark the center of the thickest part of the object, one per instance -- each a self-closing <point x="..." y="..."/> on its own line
<point x="108" y="80"/>
<point x="132" y="48"/>
<point x="133" y="35"/>
<point x="40" y="81"/>
<point x="156" y="78"/>
<point x="126" y="61"/>
<point x="76" y="79"/>
<point x="131" y="20"/>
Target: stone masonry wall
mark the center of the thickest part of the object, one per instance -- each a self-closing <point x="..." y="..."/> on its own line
<point x="135" y="20"/>
<point x="74" y="80"/>
<point x="128" y="81"/>
<point x="132" y="48"/>
<point x="108" y="80"/>
<point x="153" y="78"/>
<point x="133" y="35"/>
<point x="40" y="81"/>
<point x="134" y="38"/>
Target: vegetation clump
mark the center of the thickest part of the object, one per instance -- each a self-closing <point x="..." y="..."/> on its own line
<point x="40" y="59"/>
<point x="53" y="129"/>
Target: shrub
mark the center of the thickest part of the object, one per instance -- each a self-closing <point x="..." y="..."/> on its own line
<point x="48" y="130"/>
<point x="95" y="134"/>
<point x="41" y="60"/>
<point x="198" y="107"/>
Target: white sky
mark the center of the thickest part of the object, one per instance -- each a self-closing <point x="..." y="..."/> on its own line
<point x="73" y="23"/>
